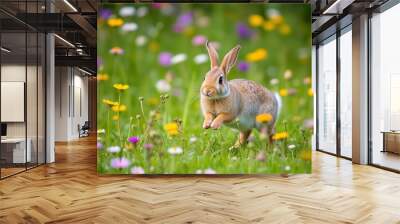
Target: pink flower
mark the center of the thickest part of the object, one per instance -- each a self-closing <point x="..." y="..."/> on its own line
<point x="120" y="162"/>
<point x="209" y="171"/>
<point x="133" y="139"/>
<point x="199" y="40"/>
<point x="137" y="170"/>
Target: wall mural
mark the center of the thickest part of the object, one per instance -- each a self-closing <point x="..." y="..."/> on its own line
<point x="204" y="89"/>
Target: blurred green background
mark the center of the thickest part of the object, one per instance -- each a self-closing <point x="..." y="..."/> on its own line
<point x="158" y="49"/>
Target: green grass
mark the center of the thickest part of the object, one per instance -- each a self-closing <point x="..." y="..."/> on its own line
<point x="139" y="68"/>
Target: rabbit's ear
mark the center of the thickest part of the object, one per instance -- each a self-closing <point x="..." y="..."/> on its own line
<point x="213" y="54"/>
<point x="230" y="59"/>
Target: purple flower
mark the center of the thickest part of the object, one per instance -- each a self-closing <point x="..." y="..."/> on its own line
<point x="99" y="145"/>
<point x="243" y="66"/>
<point x="105" y="13"/>
<point x="137" y="170"/>
<point x="156" y="5"/>
<point x="133" y="139"/>
<point x="165" y="59"/>
<point x="120" y="162"/>
<point x="183" y="21"/>
<point x="243" y="31"/>
<point x="199" y="40"/>
<point x="148" y="146"/>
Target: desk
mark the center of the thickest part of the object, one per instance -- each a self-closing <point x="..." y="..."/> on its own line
<point x="17" y="150"/>
<point x="391" y="141"/>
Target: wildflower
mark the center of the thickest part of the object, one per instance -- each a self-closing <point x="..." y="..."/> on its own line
<point x="269" y="25"/>
<point x="113" y="149"/>
<point x="209" y="171"/>
<point x="243" y="66"/>
<point x="121" y="87"/>
<point x="172" y="128"/>
<point x="193" y="139"/>
<point x="129" y="27"/>
<point x="257" y="55"/>
<point x="178" y="58"/>
<point x="183" y="21"/>
<point x="120" y="162"/>
<point x="118" y="108"/>
<point x="148" y="146"/>
<point x="115" y="117"/>
<point x="154" y="46"/>
<point x="280" y="136"/>
<point x="308" y="123"/>
<point x="164" y="58"/>
<point x="255" y="20"/>
<point x="141" y="40"/>
<point x="287" y="168"/>
<point x="137" y="170"/>
<point x="305" y="155"/>
<point x="163" y="86"/>
<point x="142" y="11"/>
<point x="102" y="77"/>
<point x="199" y="171"/>
<point x="99" y="145"/>
<point x="101" y="131"/>
<point x="283" y="92"/>
<point x="287" y="74"/>
<point x="110" y="103"/>
<point x="285" y="29"/>
<point x="202" y="21"/>
<point x="117" y="51"/>
<point x="274" y="81"/>
<point x="175" y="150"/>
<point x="115" y="22"/>
<point x="243" y="31"/>
<point x="199" y="40"/>
<point x="260" y="156"/>
<point x="310" y="92"/>
<point x="200" y="58"/>
<point x="127" y="11"/>
<point x="307" y="80"/>
<point x="291" y="146"/>
<point x="264" y="118"/>
<point x="133" y="139"/>
<point x="105" y="13"/>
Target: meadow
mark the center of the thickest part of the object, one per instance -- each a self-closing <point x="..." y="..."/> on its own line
<point x="151" y="63"/>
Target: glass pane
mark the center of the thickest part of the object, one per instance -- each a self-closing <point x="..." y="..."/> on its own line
<point x="327" y="96"/>
<point x="385" y="86"/>
<point x="346" y="94"/>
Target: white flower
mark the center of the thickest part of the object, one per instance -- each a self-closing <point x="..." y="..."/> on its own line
<point x="128" y="27"/>
<point x="199" y="171"/>
<point x="287" y="168"/>
<point x="141" y="40"/>
<point x="163" y="86"/>
<point x="113" y="149"/>
<point x="175" y="150"/>
<point x="234" y="158"/>
<point x="178" y="58"/>
<point x="272" y="13"/>
<point x="137" y="170"/>
<point x="291" y="146"/>
<point x="101" y="131"/>
<point x="274" y="81"/>
<point x="142" y="11"/>
<point x="127" y="11"/>
<point x="209" y="171"/>
<point x="193" y="139"/>
<point x="200" y="58"/>
<point x="288" y="74"/>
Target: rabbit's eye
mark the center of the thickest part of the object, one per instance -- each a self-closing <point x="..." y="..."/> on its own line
<point x="221" y="80"/>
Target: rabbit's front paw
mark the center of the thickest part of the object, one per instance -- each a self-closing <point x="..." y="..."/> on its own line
<point x="216" y="124"/>
<point x="207" y="124"/>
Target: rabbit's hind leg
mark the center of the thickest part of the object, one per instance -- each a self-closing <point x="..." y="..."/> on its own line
<point x="242" y="139"/>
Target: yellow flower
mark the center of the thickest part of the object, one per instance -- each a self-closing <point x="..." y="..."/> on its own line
<point x="264" y="118"/>
<point x="102" y="77"/>
<point x="306" y="155"/>
<point x="120" y="87"/>
<point x="172" y="128"/>
<point x="119" y="108"/>
<point x="269" y="26"/>
<point x="256" y="20"/>
<point x="310" y="92"/>
<point x="115" y="117"/>
<point x="285" y="29"/>
<point x="257" y="55"/>
<point x="280" y="136"/>
<point x="283" y="92"/>
<point x="276" y="19"/>
<point x="110" y="103"/>
<point x="115" y="22"/>
<point x="116" y="50"/>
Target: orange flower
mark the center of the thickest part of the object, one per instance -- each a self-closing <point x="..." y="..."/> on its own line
<point x="172" y="128"/>
<point x="269" y="26"/>
<point x="102" y="77"/>
<point x="256" y="20"/>
<point x="257" y="55"/>
<point x="115" y="22"/>
<point x="264" y="118"/>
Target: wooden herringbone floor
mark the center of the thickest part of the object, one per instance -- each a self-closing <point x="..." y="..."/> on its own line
<point x="70" y="191"/>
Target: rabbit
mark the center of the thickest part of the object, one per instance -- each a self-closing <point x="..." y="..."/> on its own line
<point x="237" y="102"/>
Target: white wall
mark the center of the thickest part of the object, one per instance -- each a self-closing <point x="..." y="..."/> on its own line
<point x="71" y="94"/>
